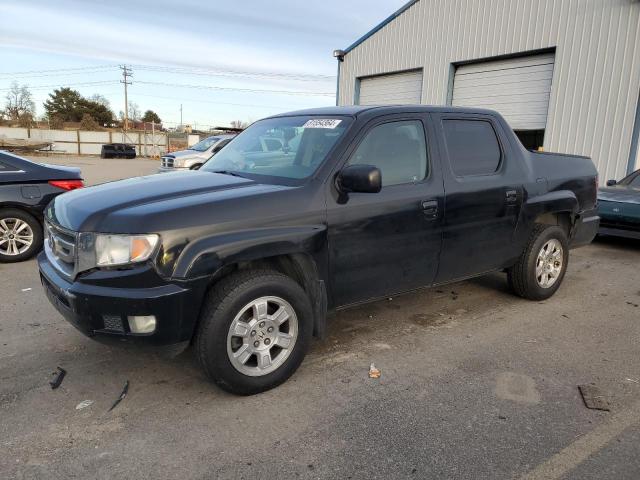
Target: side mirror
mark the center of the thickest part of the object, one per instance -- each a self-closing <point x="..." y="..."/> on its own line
<point x="359" y="178"/>
<point x="611" y="183"/>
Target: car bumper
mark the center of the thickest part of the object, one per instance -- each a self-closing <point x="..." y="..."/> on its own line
<point x="585" y="229"/>
<point x="99" y="304"/>
<point x="171" y="169"/>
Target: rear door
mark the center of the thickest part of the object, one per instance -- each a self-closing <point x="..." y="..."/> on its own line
<point x="483" y="186"/>
<point x="387" y="242"/>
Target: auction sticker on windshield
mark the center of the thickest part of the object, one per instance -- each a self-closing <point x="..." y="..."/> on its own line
<point x="322" y="123"/>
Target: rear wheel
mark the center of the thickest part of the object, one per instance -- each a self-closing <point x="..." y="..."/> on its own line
<point x="541" y="268"/>
<point x="254" y="331"/>
<point x="20" y="235"/>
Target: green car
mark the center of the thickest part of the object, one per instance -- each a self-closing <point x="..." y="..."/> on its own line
<point x="619" y="207"/>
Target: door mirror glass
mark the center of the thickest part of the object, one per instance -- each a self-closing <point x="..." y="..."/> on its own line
<point x="360" y="178"/>
<point x="611" y="183"/>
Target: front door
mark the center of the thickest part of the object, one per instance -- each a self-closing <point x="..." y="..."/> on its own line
<point x="388" y="242"/>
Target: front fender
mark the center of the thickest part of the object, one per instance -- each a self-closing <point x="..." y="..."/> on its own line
<point x="206" y="256"/>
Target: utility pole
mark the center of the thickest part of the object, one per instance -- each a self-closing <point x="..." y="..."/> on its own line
<point x="181" y="117"/>
<point x="126" y="73"/>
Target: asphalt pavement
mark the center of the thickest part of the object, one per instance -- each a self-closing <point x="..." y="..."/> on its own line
<point x="476" y="384"/>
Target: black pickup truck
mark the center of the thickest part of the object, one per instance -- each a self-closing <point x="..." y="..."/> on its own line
<point x="247" y="256"/>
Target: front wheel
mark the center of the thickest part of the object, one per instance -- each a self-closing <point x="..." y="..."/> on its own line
<point x="254" y="331"/>
<point x="541" y="268"/>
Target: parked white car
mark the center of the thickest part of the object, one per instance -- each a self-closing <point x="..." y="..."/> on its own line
<point x="193" y="157"/>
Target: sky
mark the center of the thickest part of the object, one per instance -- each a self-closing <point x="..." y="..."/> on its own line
<point x="222" y="61"/>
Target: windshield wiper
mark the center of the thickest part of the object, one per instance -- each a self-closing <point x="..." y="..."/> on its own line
<point x="228" y="172"/>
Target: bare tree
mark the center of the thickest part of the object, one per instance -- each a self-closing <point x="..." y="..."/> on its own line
<point x="134" y="111"/>
<point x="239" y="124"/>
<point x="19" y="102"/>
<point x="101" y="99"/>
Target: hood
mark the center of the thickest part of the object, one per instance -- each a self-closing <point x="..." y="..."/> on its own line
<point x="150" y="203"/>
<point x="619" y="193"/>
<point x="189" y="153"/>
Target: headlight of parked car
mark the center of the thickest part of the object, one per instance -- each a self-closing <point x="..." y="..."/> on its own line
<point x="106" y="250"/>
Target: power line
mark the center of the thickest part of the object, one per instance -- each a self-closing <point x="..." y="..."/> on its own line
<point x="233" y="73"/>
<point x="74" y="71"/>
<point x="249" y="90"/>
<point x="197" y="100"/>
<point x="64" y="85"/>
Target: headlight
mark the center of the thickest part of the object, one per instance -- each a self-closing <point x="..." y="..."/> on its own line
<point x="105" y="250"/>
<point x="178" y="162"/>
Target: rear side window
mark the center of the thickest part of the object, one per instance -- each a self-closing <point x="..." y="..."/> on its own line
<point x="5" y="167"/>
<point x="473" y="147"/>
<point x="398" y="149"/>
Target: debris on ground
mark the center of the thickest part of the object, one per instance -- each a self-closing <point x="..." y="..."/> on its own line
<point x="634" y="380"/>
<point x="59" y="376"/>
<point x="565" y="315"/>
<point x="84" y="404"/>
<point x="125" y="390"/>
<point x="374" y="372"/>
<point x="27" y="289"/>
<point x="633" y="304"/>
<point x="593" y="398"/>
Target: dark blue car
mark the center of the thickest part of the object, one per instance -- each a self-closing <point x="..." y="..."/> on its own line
<point x="25" y="190"/>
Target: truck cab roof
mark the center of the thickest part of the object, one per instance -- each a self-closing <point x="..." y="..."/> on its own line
<point x="358" y="110"/>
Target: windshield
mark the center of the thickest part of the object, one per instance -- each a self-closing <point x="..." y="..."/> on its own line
<point x="202" y="145"/>
<point x="287" y="147"/>
<point x="632" y="180"/>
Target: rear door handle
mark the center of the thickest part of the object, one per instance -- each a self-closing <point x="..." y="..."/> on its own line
<point x="430" y="208"/>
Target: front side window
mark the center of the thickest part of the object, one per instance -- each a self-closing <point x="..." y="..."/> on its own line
<point x="398" y="149"/>
<point x="473" y="147"/>
<point x="286" y="147"/>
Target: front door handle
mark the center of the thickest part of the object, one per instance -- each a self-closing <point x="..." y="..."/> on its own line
<point x="430" y="208"/>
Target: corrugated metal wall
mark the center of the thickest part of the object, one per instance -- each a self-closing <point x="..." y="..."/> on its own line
<point x="596" y="79"/>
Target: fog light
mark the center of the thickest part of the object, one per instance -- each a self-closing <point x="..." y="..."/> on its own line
<point x="142" y="324"/>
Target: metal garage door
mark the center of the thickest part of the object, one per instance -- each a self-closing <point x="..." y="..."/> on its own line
<point x="518" y="88"/>
<point x="392" y="89"/>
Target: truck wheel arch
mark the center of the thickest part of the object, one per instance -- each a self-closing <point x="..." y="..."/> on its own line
<point x="301" y="267"/>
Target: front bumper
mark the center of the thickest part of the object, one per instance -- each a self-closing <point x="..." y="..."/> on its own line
<point x="585" y="228"/>
<point x="99" y="303"/>
<point x="172" y="169"/>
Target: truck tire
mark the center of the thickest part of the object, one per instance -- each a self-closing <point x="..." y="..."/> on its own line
<point x="254" y="331"/>
<point x="542" y="266"/>
<point x="20" y="235"/>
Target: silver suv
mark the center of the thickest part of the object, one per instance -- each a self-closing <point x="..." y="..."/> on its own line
<point x="193" y="157"/>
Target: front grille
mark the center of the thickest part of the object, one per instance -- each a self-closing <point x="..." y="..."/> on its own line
<point x="167" y="162"/>
<point x="60" y="248"/>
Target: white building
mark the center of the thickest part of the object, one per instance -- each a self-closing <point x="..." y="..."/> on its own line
<point x="564" y="73"/>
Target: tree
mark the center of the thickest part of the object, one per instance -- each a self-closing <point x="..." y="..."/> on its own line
<point x="19" y="102"/>
<point x="239" y="124"/>
<point x="88" y="123"/>
<point x="134" y="111"/>
<point x="101" y="99"/>
<point x="151" y="116"/>
<point x="70" y="106"/>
